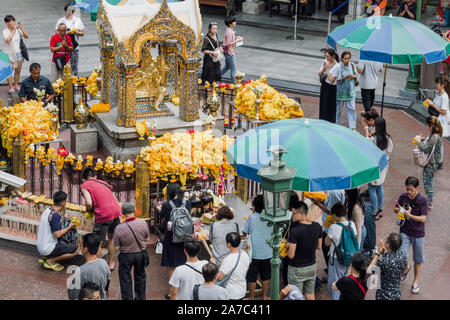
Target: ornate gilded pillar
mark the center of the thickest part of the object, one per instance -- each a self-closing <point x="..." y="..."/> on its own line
<point x="126" y="103"/>
<point x="19" y="158"/>
<point x="67" y="94"/>
<point x="189" y="88"/>
<point x="107" y="59"/>
<point x="142" y="189"/>
<point x="169" y="50"/>
<point x="242" y="188"/>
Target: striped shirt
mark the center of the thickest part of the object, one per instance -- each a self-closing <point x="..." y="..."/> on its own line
<point x="124" y="238"/>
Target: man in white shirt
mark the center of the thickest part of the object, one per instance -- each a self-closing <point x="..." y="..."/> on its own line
<point x="75" y="29"/>
<point x="369" y="71"/>
<point x="186" y="276"/>
<point x="237" y="269"/>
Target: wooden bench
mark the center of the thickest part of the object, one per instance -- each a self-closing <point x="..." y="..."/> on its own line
<point x="227" y="4"/>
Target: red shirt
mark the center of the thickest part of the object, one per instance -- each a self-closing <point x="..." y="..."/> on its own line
<point x="55" y="41"/>
<point x="105" y="204"/>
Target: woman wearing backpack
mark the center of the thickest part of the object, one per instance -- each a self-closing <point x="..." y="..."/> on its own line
<point x="336" y="268"/>
<point x="432" y="147"/>
<point x="353" y="286"/>
<point x="355" y="210"/>
<point x="173" y="253"/>
<point x="384" y="142"/>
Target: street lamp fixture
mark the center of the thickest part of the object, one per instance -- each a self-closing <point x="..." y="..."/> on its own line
<point x="276" y="184"/>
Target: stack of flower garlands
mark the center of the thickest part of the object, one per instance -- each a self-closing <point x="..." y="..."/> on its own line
<point x="92" y="88"/>
<point x="62" y="157"/>
<point x="58" y="86"/>
<point x="30" y="118"/>
<point x="198" y="154"/>
<point x="272" y="104"/>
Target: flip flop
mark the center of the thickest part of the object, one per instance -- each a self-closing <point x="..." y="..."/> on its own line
<point x="415" y="289"/>
<point x="42" y="261"/>
<point x="55" y="267"/>
<point x="405" y="274"/>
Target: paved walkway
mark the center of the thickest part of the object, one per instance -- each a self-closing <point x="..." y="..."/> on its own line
<point x="22" y="270"/>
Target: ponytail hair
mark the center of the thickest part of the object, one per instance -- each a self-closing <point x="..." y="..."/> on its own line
<point x="442" y="82"/>
<point x="332" y="53"/>
<point x="435" y="124"/>
<point x="360" y="264"/>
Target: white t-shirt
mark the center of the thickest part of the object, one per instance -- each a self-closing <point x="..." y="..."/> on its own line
<point x="335" y="231"/>
<point x="237" y="285"/>
<point x="46" y="241"/>
<point x="14" y="45"/>
<point x="184" y="278"/>
<point x="335" y="71"/>
<point x="371" y="70"/>
<point x="442" y="103"/>
<point x="74" y="23"/>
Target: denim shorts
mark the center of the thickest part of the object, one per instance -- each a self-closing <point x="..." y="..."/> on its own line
<point x="100" y="229"/>
<point x="418" y="246"/>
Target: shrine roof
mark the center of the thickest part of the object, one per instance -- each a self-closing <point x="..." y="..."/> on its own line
<point x="128" y="16"/>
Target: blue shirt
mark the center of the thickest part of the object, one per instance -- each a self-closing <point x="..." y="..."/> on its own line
<point x="55" y="223"/>
<point x="333" y="197"/>
<point x="259" y="232"/>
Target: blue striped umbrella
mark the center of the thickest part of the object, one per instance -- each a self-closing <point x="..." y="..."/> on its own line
<point x="327" y="156"/>
<point x="5" y="67"/>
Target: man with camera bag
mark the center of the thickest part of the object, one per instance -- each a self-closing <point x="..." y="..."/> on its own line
<point x="75" y="30"/>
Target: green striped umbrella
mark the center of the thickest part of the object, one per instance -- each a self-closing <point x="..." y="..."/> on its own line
<point x="393" y="40"/>
<point x="327" y="156"/>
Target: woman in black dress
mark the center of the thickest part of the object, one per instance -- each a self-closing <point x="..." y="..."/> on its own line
<point x="211" y="70"/>
<point x="173" y="253"/>
<point x="329" y="72"/>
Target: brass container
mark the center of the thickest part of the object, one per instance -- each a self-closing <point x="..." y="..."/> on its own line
<point x="81" y="115"/>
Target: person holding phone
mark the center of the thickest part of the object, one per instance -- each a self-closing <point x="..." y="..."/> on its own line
<point x="412" y="231"/>
<point x="12" y="35"/>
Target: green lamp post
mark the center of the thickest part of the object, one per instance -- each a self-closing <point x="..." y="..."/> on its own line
<point x="414" y="73"/>
<point x="276" y="184"/>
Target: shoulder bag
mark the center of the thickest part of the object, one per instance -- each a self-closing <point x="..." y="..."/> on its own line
<point x="216" y="50"/>
<point x="224" y="281"/>
<point x="421" y="159"/>
<point x="432" y="111"/>
<point x="354" y="73"/>
<point x="24" y="50"/>
<point x="144" y="252"/>
<point x="359" y="284"/>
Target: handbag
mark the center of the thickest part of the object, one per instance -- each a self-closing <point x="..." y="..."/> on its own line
<point x="144" y="252"/>
<point x="283" y="245"/>
<point x="24" y="50"/>
<point x="354" y="72"/>
<point x="224" y="281"/>
<point x="217" y="50"/>
<point x="421" y="159"/>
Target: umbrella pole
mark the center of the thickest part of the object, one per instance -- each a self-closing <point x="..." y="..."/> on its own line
<point x="384" y="86"/>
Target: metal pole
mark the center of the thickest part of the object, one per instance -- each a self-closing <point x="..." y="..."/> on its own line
<point x="413" y="82"/>
<point x="354" y="9"/>
<point x="275" y="262"/>
<point x="384" y="86"/>
<point x="295" y="20"/>
<point x="329" y="28"/>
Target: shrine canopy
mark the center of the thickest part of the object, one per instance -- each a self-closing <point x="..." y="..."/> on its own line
<point x="128" y="16"/>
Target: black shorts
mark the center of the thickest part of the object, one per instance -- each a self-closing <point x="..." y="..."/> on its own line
<point x="261" y="267"/>
<point x="100" y="229"/>
<point x="62" y="248"/>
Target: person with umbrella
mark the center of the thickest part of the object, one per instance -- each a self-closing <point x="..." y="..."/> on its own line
<point x="328" y="74"/>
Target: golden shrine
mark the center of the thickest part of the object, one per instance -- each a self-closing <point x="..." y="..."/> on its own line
<point x="150" y="52"/>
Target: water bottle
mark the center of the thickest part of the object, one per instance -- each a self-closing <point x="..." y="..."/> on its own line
<point x="169" y="226"/>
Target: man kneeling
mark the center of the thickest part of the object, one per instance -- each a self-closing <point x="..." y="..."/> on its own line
<point x="50" y="233"/>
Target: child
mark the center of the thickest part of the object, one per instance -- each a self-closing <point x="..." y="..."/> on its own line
<point x="353" y="286"/>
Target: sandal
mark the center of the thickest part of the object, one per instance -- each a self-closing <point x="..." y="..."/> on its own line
<point x="17" y="87"/>
<point x="42" y="260"/>
<point x="55" y="267"/>
<point x="378" y="215"/>
<point x="415" y="289"/>
<point x="405" y="274"/>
